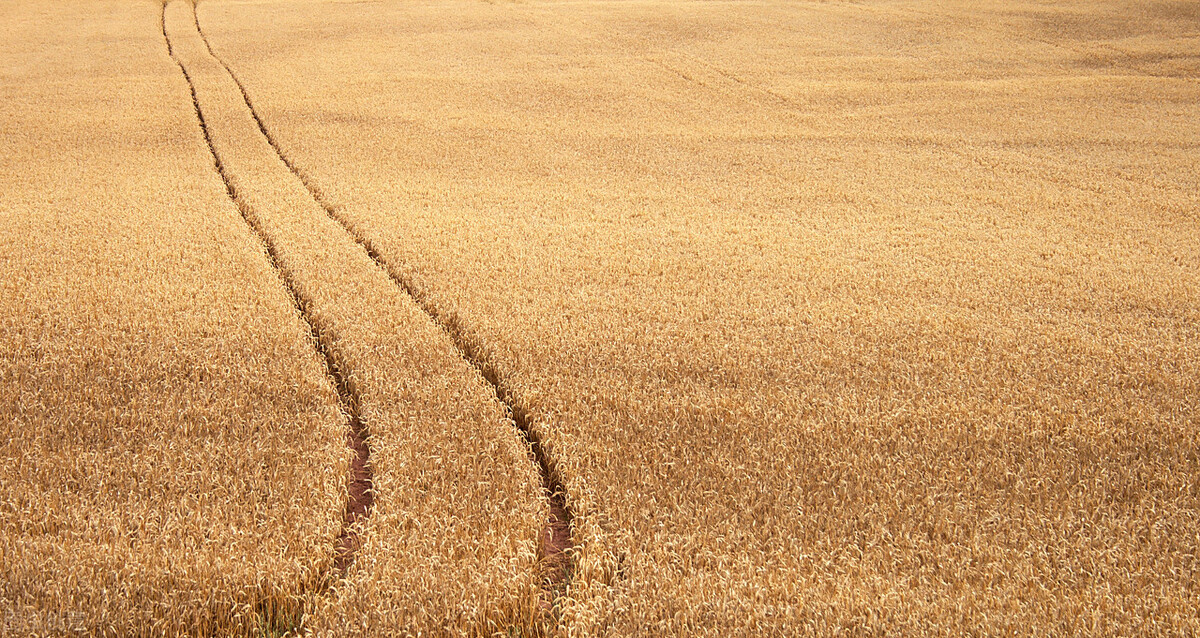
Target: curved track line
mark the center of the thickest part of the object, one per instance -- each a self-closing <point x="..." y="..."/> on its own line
<point x="359" y="495"/>
<point x="556" y="543"/>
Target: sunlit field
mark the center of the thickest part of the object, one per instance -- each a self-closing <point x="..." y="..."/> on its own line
<point x="599" y="318"/>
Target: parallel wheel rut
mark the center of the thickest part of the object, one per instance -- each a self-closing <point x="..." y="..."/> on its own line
<point x="555" y="545"/>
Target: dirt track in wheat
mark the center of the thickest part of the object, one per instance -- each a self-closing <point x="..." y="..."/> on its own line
<point x="599" y="318"/>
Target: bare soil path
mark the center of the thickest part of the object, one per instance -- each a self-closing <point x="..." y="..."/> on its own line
<point x="556" y="539"/>
<point x="361" y="310"/>
<point x="359" y="496"/>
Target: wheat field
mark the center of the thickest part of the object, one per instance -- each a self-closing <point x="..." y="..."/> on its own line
<point x="599" y="318"/>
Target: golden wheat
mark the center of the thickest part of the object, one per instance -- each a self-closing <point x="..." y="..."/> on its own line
<point x="451" y="544"/>
<point x="175" y="460"/>
<point x="828" y="318"/>
<point x="834" y="317"/>
<point x="171" y="451"/>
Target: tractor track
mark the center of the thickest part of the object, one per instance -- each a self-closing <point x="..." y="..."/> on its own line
<point x="359" y="497"/>
<point x="555" y="545"/>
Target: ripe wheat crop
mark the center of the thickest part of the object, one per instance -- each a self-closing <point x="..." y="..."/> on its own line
<point x="869" y="317"/>
<point x="171" y="450"/>
<point x="636" y="318"/>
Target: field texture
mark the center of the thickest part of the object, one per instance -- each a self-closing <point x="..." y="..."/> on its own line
<point x="172" y="457"/>
<point x="600" y="318"/>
